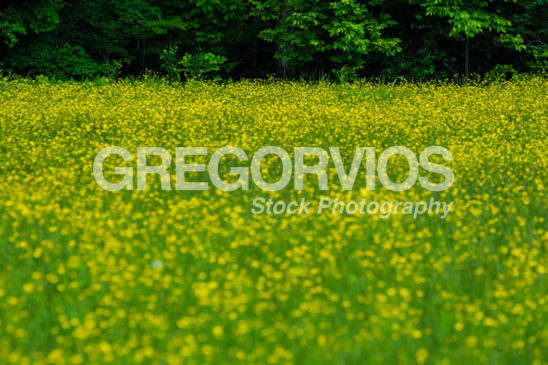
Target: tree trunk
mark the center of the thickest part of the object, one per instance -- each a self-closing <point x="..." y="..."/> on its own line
<point x="141" y="49"/>
<point x="282" y="62"/>
<point x="252" y="71"/>
<point x="467" y="57"/>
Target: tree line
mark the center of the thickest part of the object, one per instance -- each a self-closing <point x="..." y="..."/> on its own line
<point x="341" y="39"/>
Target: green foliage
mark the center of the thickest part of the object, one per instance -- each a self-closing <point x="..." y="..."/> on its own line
<point x="466" y="19"/>
<point x="194" y="66"/>
<point x="21" y="17"/>
<point x="529" y="24"/>
<point x="63" y="62"/>
<point x="203" y="65"/>
<point x="345" y="30"/>
<point x="170" y="62"/>
<point x="345" y="74"/>
<point x="348" y="39"/>
<point x="500" y="72"/>
<point x="356" y="32"/>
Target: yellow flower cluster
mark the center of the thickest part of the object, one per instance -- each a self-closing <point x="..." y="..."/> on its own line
<point x="94" y="276"/>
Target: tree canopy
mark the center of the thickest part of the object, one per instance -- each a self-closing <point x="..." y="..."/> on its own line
<point x="256" y="38"/>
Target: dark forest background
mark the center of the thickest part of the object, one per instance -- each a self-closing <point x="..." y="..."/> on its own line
<point x="311" y="39"/>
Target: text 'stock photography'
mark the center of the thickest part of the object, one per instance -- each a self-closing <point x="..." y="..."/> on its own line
<point x="273" y="222"/>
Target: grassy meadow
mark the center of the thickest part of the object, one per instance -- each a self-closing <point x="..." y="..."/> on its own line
<point x="89" y="276"/>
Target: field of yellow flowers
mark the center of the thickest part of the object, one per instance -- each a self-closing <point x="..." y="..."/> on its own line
<point x="89" y="276"/>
